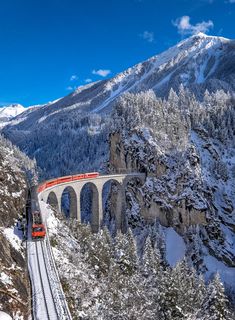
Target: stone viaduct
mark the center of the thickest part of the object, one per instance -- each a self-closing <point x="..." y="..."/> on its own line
<point x="53" y="196"/>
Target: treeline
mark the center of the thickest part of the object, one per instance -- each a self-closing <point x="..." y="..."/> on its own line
<point x="131" y="287"/>
<point x="70" y="142"/>
<point x="170" y="120"/>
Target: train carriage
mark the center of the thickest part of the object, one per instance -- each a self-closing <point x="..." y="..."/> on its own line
<point x="38" y="227"/>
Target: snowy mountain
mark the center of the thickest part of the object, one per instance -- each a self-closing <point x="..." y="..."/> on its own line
<point x="186" y="148"/>
<point x="9" y="112"/>
<point x="200" y="62"/>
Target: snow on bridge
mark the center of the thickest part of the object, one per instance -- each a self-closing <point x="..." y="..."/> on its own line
<point x="53" y="196"/>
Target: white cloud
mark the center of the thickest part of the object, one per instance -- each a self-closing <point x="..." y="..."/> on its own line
<point x="185" y="27"/>
<point x="74" y="77"/>
<point x="231" y="1"/>
<point x="88" y="80"/>
<point x="101" y="72"/>
<point x="148" y="36"/>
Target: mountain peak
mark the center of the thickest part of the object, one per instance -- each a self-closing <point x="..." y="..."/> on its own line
<point x="9" y="112"/>
<point x="199" y="62"/>
<point x="201" y="35"/>
<point x="206" y="36"/>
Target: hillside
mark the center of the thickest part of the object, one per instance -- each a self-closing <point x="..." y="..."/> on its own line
<point x="189" y="165"/>
<point x="14" y="283"/>
<point x="105" y="278"/>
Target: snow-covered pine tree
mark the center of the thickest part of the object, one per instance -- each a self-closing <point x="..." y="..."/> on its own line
<point x="99" y="254"/>
<point x="131" y="250"/>
<point x="125" y="253"/>
<point x="191" y="288"/>
<point x="215" y="304"/>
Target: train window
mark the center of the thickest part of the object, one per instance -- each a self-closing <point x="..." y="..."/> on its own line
<point x="37" y="229"/>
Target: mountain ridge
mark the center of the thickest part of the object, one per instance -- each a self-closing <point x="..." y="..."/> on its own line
<point x="199" y="63"/>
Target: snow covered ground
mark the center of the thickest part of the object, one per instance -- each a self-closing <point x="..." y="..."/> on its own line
<point x="4" y="316"/>
<point x="175" y="246"/>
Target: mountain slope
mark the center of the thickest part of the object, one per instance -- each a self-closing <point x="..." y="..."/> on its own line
<point x="199" y="62"/>
<point x="187" y="149"/>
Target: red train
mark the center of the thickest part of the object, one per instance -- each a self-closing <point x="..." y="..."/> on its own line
<point x="38" y="228"/>
<point x="60" y="180"/>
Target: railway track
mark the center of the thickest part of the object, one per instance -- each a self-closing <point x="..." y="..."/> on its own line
<point x="47" y="292"/>
<point x="48" y="299"/>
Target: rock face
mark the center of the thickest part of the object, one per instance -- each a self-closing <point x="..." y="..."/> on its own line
<point x="14" y="282"/>
<point x="178" y="213"/>
<point x="174" y="201"/>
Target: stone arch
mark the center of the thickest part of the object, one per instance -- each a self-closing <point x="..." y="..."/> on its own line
<point x="52" y="200"/>
<point x="89" y="205"/>
<point x="69" y="202"/>
<point x="112" y="191"/>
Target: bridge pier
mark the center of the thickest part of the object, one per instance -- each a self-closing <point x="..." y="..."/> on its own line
<point x="100" y="210"/>
<point x="78" y="215"/>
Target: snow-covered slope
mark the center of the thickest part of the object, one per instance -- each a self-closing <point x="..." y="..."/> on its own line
<point x="186" y="148"/>
<point x="199" y="62"/>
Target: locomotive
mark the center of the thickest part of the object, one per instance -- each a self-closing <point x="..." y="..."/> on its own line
<point x="38" y="227"/>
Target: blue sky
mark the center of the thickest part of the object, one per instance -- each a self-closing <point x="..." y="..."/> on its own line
<point x="49" y="47"/>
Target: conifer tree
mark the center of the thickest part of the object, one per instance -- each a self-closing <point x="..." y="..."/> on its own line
<point x="215" y="304"/>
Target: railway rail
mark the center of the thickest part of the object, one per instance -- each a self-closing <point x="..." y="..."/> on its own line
<point x="48" y="299"/>
<point x="49" y="303"/>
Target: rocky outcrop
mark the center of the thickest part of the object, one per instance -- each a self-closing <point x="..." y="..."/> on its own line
<point x="126" y="158"/>
<point x="168" y="205"/>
